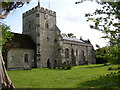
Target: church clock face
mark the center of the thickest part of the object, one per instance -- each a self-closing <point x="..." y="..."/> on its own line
<point x="46" y="16"/>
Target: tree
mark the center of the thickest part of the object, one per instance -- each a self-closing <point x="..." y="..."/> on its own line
<point x="71" y="35"/>
<point x="100" y="55"/>
<point x="113" y="55"/>
<point x="6" y="34"/>
<point x="5" y="8"/>
<point x="5" y="82"/>
<point x="64" y="35"/>
<point x="97" y="46"/>
<point x="106" y="21"/>
<point x="86" y="41"/>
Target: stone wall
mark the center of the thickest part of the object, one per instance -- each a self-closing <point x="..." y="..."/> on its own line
<point x="40" y="24"/>
<point x="16" y="58"/>
<point x="79" y="53"/>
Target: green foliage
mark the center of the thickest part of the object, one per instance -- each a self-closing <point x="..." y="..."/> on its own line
<point x="87" y="76"/>
<point x="97" y="46"/>
<point x="100" y="55"/>
<point x="109" y="54"/>
<point x="113" y="54"/>
<point x="6" y="34"/>
<point x="71" y="35"/>
<point x="106" y="21"/>
<point x="7" y="6"/>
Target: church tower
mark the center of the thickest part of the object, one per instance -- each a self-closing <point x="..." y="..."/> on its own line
<point x="40" y="24"/>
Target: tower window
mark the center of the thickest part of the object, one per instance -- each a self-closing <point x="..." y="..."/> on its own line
<point x="55" y="40"/>
<point x="29" y="24"/>
<point x="37" y="15"/>
<point x="46" y="25"/>
<point x="26" y="58"/>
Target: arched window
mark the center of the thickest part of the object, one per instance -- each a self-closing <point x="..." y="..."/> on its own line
<point x="46" y="24"/>
<point x="29" y="25"/>
<point x="67" y="53"/>
<point x="55" y="40"/>
<point x="37" y="15"/>
<point x="26" y="58"/>
<point x="76" y="52"/>
<point x="72" y="52"/>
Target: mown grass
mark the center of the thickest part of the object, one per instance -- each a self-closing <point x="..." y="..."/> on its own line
<point x="87" y="76"/>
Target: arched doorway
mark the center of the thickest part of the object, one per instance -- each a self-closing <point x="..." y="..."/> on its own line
<point x="48" y="64"/>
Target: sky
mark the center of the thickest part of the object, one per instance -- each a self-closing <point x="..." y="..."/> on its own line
<point x="70" y="18"/>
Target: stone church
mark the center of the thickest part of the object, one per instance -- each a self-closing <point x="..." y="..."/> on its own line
<point x="42" y="45"/>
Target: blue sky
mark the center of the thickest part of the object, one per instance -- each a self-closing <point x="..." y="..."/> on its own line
<point x="70" y="18"/>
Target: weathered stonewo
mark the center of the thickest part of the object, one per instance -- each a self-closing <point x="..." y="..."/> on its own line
<point x="50" y="48"/>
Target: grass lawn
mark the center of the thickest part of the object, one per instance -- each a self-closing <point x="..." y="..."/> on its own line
<point x="87" y="76"/>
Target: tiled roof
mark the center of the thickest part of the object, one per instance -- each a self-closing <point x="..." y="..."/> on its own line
<point x="20" y="41"/>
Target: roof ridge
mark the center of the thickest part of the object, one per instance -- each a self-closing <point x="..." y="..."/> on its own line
<point x="72" y="39"/>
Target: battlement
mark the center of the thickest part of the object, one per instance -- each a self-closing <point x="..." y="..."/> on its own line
<point x="39" y="9"/>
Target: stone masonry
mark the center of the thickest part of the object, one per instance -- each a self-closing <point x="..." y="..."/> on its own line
<point x="51" y="49"/>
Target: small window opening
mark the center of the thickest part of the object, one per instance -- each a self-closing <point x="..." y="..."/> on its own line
<point x="46" y="25"/>
<point x="37" y="15"/>
<point x="55" y="40"/>
<point x="26" y="58"/>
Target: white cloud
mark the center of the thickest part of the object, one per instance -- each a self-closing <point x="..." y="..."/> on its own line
<point x="71" y="15"/>
<point x="71" y="19"/>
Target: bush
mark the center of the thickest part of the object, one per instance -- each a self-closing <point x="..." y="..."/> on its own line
<point x="113" y="54"/>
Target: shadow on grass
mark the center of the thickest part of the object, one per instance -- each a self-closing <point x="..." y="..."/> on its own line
<point x="104" y="81"/>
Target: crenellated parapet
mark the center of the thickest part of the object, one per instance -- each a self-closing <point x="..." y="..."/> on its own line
<point x="39" y="9"/>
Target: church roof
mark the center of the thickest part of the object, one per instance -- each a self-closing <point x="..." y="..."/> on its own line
<point x="20" y="41"/>
<point x="72" y="39"/>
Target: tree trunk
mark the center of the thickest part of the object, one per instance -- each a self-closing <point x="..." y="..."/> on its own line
<point x="5" y="82"/>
